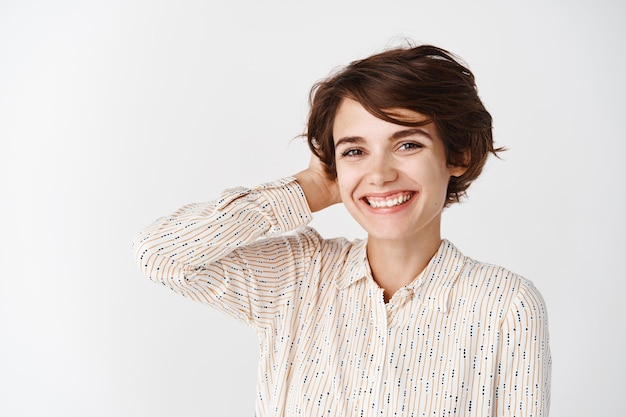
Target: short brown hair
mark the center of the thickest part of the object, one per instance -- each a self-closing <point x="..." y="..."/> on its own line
<point x="425" y="79"/>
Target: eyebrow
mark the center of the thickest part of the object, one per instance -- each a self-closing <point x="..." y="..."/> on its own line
<point x="400" y="134"/>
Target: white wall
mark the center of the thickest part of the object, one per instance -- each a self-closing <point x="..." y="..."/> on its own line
<point x="113" y="113"/>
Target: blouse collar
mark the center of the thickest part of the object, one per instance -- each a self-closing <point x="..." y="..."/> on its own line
<point x="432" y="287"/>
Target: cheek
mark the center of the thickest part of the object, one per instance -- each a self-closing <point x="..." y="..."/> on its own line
<point x="344" y="189"/>
<point x="427" y="172"/>
<point x="437" y="170"/>
<point x="434" y="177"/>
<point x="345" y="182"/>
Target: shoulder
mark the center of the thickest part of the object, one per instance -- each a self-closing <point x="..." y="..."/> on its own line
<point x="312" y="237"/>
<point x="320" y="249"/>
<point x="325" y="264"/>
<point x="499" y="287"/>
<point x="482" y="274"/>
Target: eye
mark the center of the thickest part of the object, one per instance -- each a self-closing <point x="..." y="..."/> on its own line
<point x="408" y="146"/>
<point x="352" y="152"/>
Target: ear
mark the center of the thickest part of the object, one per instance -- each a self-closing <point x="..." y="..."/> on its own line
<point x="460" y="163"/>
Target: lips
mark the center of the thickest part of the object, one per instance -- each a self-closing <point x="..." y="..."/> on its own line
<point x="392" y="200"/>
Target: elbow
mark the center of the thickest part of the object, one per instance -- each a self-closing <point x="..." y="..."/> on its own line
<point x="154" y="262"/>
<point x="146" y="257"/>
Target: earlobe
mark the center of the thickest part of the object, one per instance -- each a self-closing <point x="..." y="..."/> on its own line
<point x="457" y="171"/>
<point x="460" y="165"/>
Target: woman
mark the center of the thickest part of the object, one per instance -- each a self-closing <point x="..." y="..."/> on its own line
<point x="399" y="324"/>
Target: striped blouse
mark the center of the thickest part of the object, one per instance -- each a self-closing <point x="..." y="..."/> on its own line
<point x="465" y="338"/>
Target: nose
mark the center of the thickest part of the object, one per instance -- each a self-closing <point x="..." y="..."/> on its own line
<point x="381" y="170"/>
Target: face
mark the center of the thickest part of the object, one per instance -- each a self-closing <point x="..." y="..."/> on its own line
<point x="392" y="178"/>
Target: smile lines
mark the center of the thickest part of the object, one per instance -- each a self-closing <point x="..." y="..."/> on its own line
<point x="386" y="202"/>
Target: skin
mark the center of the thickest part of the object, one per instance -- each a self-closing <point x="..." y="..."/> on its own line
<point x="393" y="180"/>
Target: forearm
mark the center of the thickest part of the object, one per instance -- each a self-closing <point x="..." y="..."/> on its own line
<point x="199" y="234"/>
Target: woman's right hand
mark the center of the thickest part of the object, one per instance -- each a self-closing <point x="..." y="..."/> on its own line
<point x="320" y="191"/>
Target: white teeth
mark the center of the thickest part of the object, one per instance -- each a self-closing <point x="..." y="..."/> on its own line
<point x="380" y="203"/>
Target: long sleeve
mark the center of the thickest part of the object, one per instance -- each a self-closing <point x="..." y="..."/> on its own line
<point x="220" y="252"/>
<point x="523" y="376"/>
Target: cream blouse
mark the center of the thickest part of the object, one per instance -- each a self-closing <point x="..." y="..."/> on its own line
<point x="465" y="338"/>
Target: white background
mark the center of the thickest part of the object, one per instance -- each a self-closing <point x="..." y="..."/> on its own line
<point x="113" y="113"/>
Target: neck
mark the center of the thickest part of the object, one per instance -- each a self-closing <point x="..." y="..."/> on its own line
<point x="395" y="264"/>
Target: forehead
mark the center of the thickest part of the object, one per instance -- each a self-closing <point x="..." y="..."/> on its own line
<point x="352" y="117"/>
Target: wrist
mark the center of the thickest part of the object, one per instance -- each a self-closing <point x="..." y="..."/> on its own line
<point x="319" y="192"/>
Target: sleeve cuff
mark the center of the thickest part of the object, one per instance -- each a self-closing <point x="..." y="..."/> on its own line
<point x="283" y="198"/>
<point x="288" y="203"/>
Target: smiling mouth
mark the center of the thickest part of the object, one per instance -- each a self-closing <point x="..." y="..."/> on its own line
<point x="391" y="201"/>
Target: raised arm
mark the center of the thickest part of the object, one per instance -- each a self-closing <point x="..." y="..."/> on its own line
<point x="211" y="252"/>
<point x="198" y="234"/>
